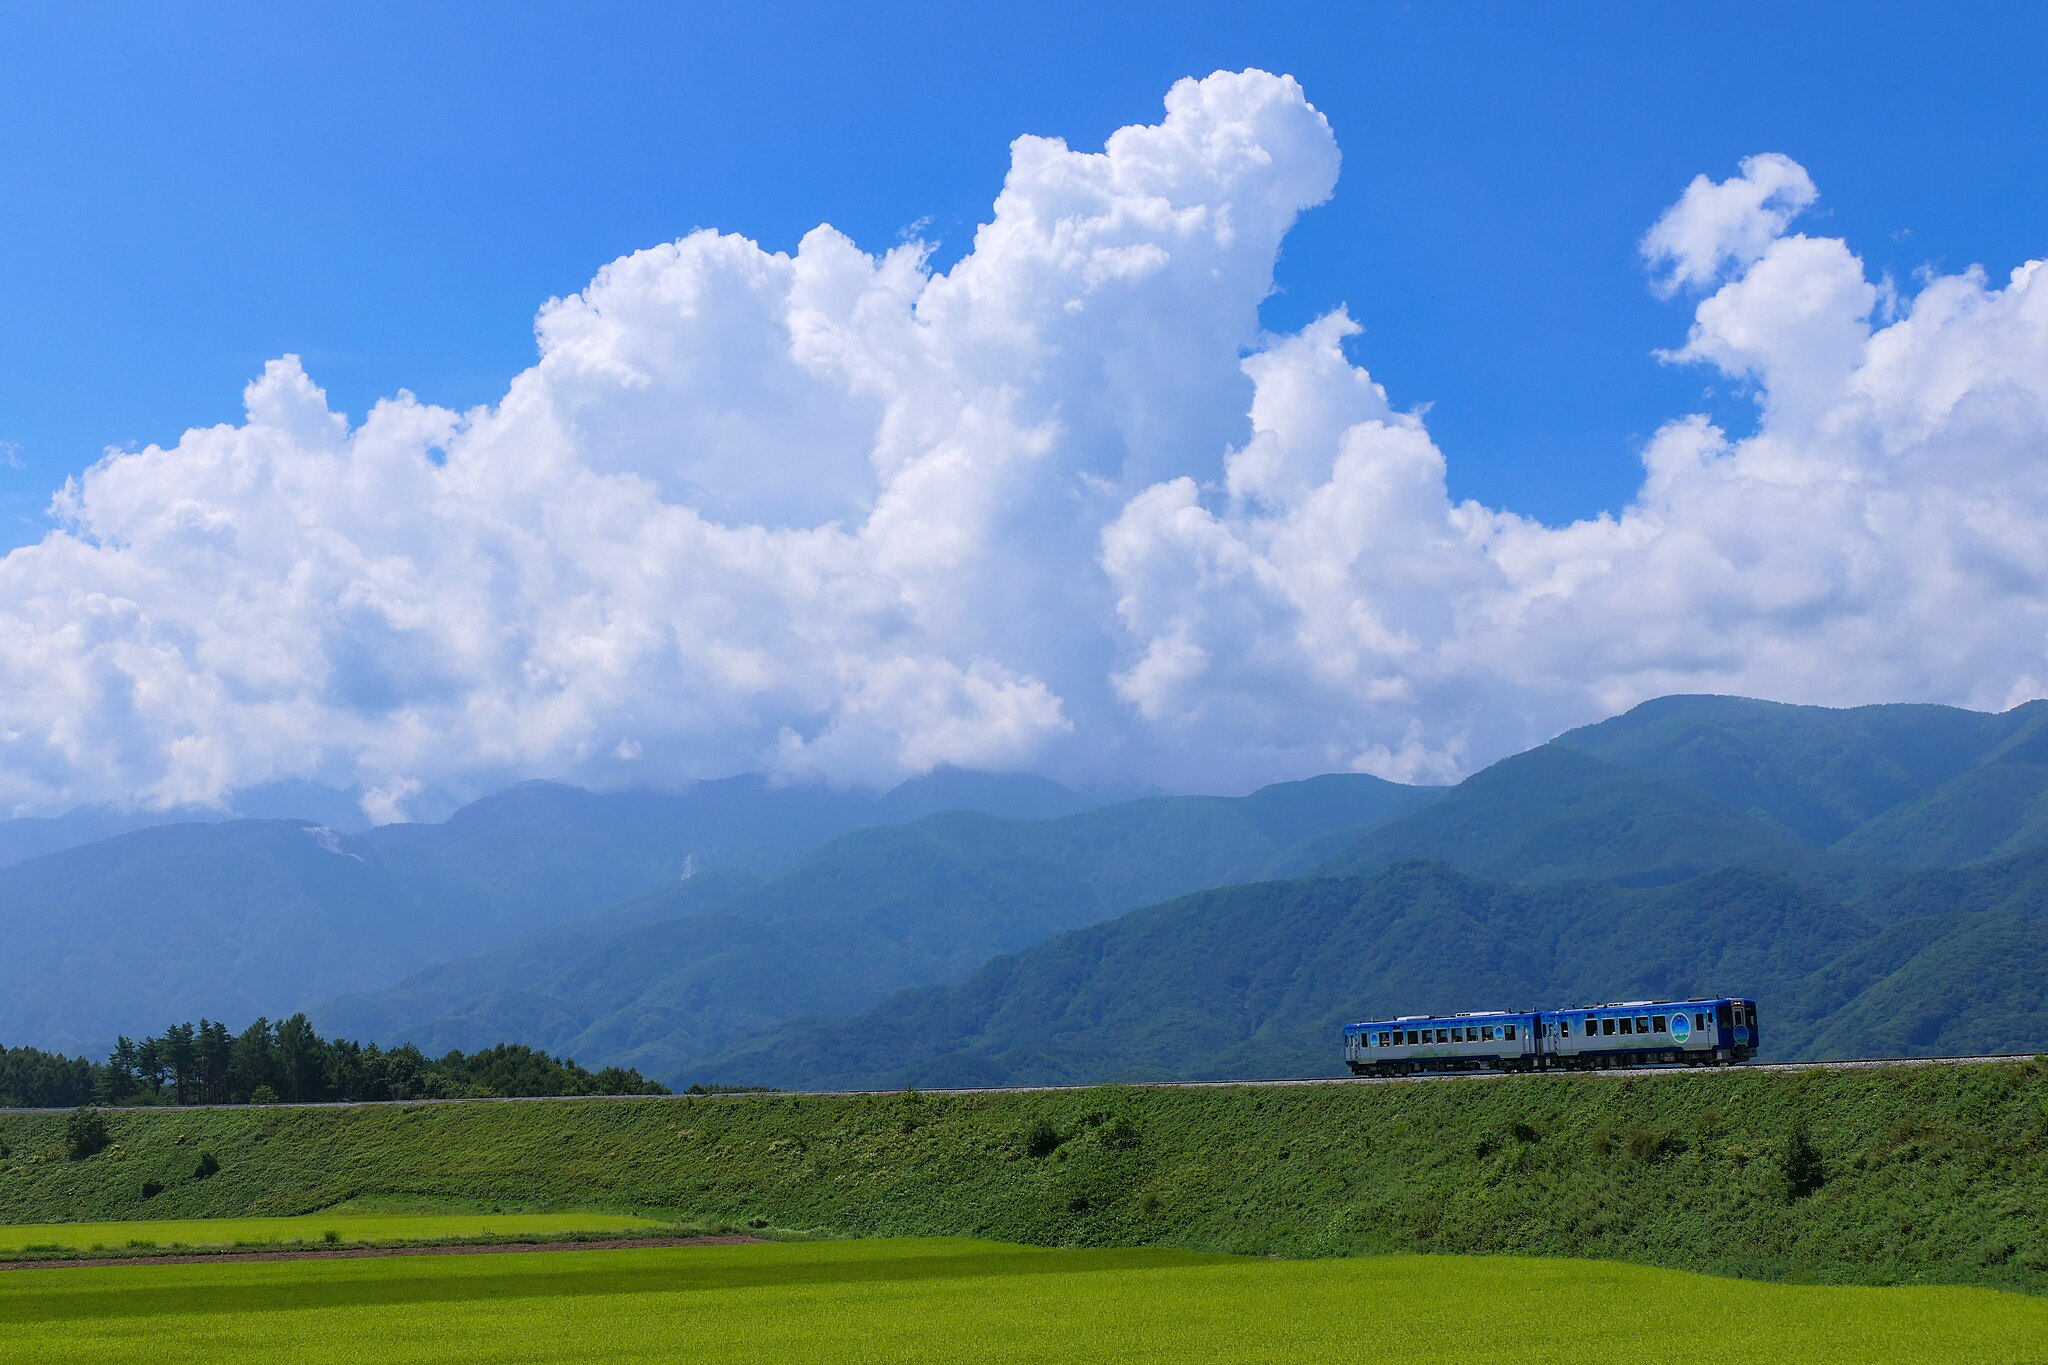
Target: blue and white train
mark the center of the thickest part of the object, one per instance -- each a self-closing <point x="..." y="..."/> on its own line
<point x="1595" y="1037"/>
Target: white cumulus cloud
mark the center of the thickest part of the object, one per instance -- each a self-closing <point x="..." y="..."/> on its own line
<point x="837" y="514"/>
<point x="1721" y="223"/>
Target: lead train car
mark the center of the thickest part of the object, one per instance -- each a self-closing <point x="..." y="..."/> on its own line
<point x="1631" y="1033"/>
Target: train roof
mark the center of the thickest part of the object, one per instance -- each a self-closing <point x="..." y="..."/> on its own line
<point x="1562" y="1009"/>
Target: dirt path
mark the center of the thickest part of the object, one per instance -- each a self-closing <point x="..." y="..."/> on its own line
<point x="361" y="1253"/>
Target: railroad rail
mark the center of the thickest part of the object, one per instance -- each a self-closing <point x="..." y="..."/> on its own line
<point x="1616" y="1073"/>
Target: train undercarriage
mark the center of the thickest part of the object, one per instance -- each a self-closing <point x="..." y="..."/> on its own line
<point x="1451" y="1066"/>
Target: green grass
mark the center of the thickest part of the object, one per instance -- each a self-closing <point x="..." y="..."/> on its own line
<point x="347" y="1227"/>
<point x="965" y="1300"/>
<point x="1935" y="1173"/>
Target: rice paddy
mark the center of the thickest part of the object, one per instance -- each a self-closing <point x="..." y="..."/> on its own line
<point x="950" y="1299"/>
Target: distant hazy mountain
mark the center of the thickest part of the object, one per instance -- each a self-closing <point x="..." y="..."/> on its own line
<point x="33" y="836"/>
<point x="1257" y="980"/>
<point x="672" y="975"/>
<point x="232" y="918"/>
<point x="225" y="920"/>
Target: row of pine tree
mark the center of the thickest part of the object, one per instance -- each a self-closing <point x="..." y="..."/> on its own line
<point x="289" y="1062"/>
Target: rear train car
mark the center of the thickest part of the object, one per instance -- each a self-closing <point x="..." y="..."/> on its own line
<point x="1417" y="1045"/>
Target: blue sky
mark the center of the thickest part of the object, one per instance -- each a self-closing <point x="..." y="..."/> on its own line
<point x="1208" y="463"/>
<point x="390" y="191"/>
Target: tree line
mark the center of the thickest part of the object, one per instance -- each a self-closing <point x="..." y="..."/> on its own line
<point x="288" y="1062"/>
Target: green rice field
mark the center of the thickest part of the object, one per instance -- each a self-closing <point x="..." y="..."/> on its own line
<point x="950" y="1299"/>
<point x="347" y="1227"/>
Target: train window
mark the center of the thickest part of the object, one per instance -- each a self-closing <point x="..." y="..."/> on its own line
<point x="1383" y="1040"/>
<point x="1699" y="1021"/>
<point x="1564" y="1028"/>
<point x="1642" y="1023"/>
<point x="1486" y="1033"/>
<point x="1457" y="1035"/>
<point x="1443" y="1035"/>
<point x="1607" y="1026"/>
<point x="1510" y="1033"/>
<point x="1627" y="1025"/>
<point x="1657" y="1024"/>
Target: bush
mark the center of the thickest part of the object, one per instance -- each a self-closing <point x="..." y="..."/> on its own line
<point x="207" y="1166"/>
<point x="1800" y="1163"/>
<point x="1041" y="1139"/>
<point x="263" y="1094"/>
<point x="331" y="1237"/>
<point x="1648" y="1144"/>
<point x="1120" y="1134"/>
<point x="85" y="1134"/>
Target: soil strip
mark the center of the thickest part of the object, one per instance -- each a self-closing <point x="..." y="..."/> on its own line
<point x="360" y="1253"/>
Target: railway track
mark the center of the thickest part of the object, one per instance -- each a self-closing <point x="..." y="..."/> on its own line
<point x="1618" y="1073"/>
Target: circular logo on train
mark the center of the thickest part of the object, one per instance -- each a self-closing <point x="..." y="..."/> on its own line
<point x="1681" y="1027"/>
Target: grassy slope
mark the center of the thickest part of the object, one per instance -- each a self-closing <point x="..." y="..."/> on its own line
<point x="1934" y="1173"/>
<point x="950" y="1300"/>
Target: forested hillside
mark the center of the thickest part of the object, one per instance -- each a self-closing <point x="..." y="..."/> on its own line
<point x="1874" y="780"/>
<point x="1555" y="814"/>
<point x="1608" y="865"/>
<point x="1257" y="980"/>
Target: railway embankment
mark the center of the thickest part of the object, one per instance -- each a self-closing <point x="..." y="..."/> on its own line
<point x="1921" y="1174"/>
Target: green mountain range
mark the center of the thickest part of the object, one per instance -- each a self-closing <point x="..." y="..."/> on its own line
<point x="1613" y="863"/>
<point x="1874" y="876"/>
<point x="1257" y="980"/>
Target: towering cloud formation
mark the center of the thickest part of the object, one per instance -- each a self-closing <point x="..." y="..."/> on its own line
<point x="1060" y="507"/>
